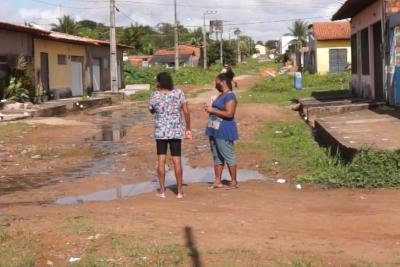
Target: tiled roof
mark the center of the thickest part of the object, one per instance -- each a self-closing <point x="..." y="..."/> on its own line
<point x="56" y="36"/>
<point x="351" y="8"/>
<point x="20" y="28"/>
<point x="184" y="50"/>
<point x="325" y="31"/>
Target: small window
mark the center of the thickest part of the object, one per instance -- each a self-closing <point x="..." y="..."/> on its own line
<point x="365" y="51"/>
<point x="354" y="57"/>
<point x="62" y="59"/>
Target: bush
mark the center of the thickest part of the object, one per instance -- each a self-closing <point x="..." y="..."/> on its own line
<point x="16" y="92"/>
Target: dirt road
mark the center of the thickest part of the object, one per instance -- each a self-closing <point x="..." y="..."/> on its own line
<point x="96" y="202"/>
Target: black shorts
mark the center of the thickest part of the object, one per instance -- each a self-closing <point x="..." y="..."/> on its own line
<point x="175" y="145"/>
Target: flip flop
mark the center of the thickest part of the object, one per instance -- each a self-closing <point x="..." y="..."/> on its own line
<point x="161" y="195"/>
<point x="180" y="196"/>
<point x="215" y="186"/>
<point x="232" y="187"/>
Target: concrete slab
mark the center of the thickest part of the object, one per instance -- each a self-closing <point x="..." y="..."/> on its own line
<point x="352" y="131"/>
<point x="315" y="107"/>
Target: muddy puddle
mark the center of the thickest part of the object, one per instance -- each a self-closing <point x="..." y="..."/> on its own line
<point x="113" y="126"/>
<point x="191" y="176"/>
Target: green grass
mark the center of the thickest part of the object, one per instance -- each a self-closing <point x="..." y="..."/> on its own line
<point x="188" y="75"/>
<point x="141" y="95"/>
<point x="293" y="148"/>
<point x="280" y="90"/>
<point x="15" y="248"/>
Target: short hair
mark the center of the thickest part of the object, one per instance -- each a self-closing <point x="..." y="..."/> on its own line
<point x="165" y="81"/>
<point x="226" y="77"/>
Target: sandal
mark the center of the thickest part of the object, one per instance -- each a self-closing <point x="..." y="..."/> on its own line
<point x="215" y="186"/>
<point x="232" y="187"/>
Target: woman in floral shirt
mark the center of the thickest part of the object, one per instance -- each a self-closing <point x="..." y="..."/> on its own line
<point x="167" y="104"/>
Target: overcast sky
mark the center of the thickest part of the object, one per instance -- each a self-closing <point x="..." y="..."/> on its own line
<point x="261" y="19"/>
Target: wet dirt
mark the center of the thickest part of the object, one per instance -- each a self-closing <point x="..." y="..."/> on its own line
<point x="112" y="194"/>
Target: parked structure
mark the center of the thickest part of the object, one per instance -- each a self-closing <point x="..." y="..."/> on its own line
<point x="189" y="56"/>
<point x="374" y="42"/>
<point x="64" y="65"/>
<point x="329" y="47"/>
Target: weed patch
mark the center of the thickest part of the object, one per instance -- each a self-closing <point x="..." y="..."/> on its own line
<point x="280" y="90"/>
<point x="292" y="147"/>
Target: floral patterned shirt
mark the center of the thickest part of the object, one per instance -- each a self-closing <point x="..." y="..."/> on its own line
<point x="168" y="114"/>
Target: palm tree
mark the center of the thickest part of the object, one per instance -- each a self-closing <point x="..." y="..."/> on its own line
<point x="299" y="31"/>
<point x="66" y="24"/>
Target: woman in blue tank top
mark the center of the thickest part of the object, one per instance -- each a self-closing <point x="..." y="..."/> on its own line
<point x="222" y="131"/>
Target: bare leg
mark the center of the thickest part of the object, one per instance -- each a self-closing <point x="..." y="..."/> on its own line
<point x="218" y="169"/>
<point x="179" y="175"/>
<point x="233" y="173"/>
<point x="161" y="173"/>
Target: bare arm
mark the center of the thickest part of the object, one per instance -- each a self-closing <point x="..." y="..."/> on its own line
<point x="228" y="113"/>
<point x="186" y="113"/>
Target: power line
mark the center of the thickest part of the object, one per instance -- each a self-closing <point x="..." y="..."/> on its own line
<point x="68" y="7"/>
<point x="248" y="6"/>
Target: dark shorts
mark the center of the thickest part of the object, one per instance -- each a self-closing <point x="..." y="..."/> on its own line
<point x="175" y="145"/>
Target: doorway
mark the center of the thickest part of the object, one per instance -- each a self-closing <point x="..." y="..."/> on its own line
<point x="96" y="74"/>
<point x="44" y="73"/>
<point x="77" y="76"/>
<point x="378" y="61"/>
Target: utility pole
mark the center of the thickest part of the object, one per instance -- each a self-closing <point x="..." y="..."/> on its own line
<point x="221" y="49"/>
<point x="205" y="37"/>
<point x="113" y="49"/>
<point x="239" y="53"/>
<point x="176" y="38"/>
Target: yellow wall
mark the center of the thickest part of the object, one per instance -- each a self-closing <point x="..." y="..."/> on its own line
<point x="59" y="75"/>
<point x="262" y="49"/>
<point x="323" y="53"/>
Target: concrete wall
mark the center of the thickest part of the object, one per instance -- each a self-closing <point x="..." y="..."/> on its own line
<point x="322" y="54"/>
<point x="364" y="85"/>
<point x="60" y="76"/>
<point x="15" y="43"/>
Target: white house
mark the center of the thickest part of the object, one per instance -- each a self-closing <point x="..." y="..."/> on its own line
<point x="285" y="43"/>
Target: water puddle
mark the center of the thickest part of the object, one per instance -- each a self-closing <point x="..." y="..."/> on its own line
<point x="113" y="127"/>
<point x="191" y="176"/>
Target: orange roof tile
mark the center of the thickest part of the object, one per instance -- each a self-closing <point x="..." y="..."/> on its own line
<point x="183" y="50"/>
<point x="324" y="31"/>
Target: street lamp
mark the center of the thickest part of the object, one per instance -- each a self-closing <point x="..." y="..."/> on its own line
<point x="208" y="12"/>
<point x="237" y="32"/>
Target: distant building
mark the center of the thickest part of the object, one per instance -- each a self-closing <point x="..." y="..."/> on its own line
<point x="285" y="43"/>
<point x="375" y="44"/>
<point x="329" y="47"/>
<point x="142" y="61"/>
<point x="261" y="49"/>
<point x="189" y="56"/>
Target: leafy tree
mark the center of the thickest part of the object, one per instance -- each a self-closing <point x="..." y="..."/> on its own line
<point x="229" y="52"/>
<point x="272" y="44"/>
<point x="299" y="31"/>
<point x="66" y="24"/>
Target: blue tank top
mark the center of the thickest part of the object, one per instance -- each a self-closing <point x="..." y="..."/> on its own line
<point x="219" y="127"/>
